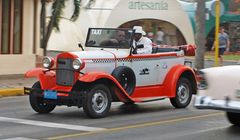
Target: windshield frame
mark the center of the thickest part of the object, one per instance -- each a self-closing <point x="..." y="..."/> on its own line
<point x="129" y="39"/>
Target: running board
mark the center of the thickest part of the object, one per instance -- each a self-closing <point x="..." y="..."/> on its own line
<point x="144" y="100"/>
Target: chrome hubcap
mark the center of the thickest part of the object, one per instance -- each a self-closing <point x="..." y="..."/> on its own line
<point x="99" y="102"/>
<point x="183" y="93"/>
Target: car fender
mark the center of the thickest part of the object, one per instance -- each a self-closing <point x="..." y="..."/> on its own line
<point x="174" y="74"/>
<point x="45" y="77"/>
<point x="120" y="92"/>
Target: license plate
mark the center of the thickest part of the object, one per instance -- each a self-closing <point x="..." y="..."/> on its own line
<point x="237" y="93"/>
<point x="49" y="94"/>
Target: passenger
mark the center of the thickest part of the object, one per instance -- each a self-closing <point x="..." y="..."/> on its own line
<point x="141" y="44"/>
<point x="118" y="40"/>
<point x="121" y="38"/>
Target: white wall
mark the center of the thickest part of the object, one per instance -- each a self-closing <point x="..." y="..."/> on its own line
<point x="16" y="64"/>
<point x="174" y="14"/>
<point x="112" y="13"/>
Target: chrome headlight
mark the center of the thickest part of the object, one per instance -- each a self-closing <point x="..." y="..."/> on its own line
<point x="77" y="64"/>
<point x="202" y="81"/>
<point x="48" y="62"/>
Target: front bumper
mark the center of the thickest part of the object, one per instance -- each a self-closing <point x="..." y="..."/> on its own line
<point x="72" y="98"/>
<point x="206" y="102"/>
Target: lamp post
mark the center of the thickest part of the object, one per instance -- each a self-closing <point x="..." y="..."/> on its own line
<point x="217" y="11"/>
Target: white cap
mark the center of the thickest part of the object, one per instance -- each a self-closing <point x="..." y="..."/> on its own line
<point x="139" y="30"/>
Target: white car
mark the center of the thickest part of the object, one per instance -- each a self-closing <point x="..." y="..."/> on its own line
<point x="108" y="71"/>
<point x="219" y="89"/>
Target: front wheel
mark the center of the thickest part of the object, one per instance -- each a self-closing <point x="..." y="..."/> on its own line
<point x="234" y="118"/>
<point x="183" y="93"/>
<point x="97" y="102"/>
<point x="37" y="102"/>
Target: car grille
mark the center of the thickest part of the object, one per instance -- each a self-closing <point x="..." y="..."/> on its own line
<point x="65" y="72"/>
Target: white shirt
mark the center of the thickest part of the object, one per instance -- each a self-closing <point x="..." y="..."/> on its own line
<point x="147" y="43"/>
<point x="160" y="35"/>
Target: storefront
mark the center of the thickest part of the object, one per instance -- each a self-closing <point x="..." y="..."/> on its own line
<point x="230" y="19"/>
<point x="150" y="14"/>
<point x="18" y="36"/>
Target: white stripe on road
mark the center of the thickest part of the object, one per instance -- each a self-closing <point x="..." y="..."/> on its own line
<point x="49" y="124"/>
<point x="19" y="138"/>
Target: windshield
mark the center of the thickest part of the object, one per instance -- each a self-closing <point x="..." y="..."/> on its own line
<point x="109" y="38"/>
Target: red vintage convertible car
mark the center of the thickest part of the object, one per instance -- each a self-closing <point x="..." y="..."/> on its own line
<point x="109" y="72"/>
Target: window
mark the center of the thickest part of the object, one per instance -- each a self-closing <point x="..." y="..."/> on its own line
<point x="17" y="27"/>
<point x="5" y="27"/>
<point x="11" y="26"/>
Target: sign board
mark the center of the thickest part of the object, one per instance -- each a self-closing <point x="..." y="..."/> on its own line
<point x="213" y="8"/>
<point x="148" y="5"/>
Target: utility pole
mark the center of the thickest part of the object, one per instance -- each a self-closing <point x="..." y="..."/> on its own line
<point x="217" y="11"/>
<point x="200" y="34"/>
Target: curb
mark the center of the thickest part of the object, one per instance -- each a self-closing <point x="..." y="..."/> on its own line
<point x="11" y="92"/>
<point x="237" y="61"/>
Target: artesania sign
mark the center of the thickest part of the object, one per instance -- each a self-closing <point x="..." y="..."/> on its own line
<point x="144" y="5"/>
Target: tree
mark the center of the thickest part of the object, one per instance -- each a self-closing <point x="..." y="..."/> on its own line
<point x="200" y="34"/>
<point x="57" y="10"/>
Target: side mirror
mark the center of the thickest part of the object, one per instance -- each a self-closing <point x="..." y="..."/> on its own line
<point x="80" y="46"/>
<point x="140" y="46"/>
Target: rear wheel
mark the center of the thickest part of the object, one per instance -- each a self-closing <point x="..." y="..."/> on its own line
<point x="97" y="102"/>
<point x="37" y="103"/>
<point x="183" y="93"/>
<point x="234" y="118"/>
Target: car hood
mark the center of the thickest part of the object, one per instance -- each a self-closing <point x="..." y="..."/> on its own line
<point x="222" y="81"/>
<point x="101" y="54"/>
<point x="225" y="70"/>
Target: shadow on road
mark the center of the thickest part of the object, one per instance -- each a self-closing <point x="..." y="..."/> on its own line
<point x="234" y="130"/>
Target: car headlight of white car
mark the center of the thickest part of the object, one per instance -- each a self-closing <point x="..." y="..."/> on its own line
<point x="78" y="64"/>
<point x="202" y="81"/>
<point x="48" y="62"/>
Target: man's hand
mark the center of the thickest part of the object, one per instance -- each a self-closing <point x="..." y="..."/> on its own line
<point x="135" y="50"/>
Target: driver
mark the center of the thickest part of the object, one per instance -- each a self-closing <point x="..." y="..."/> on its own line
<point x="139" y="39"/>
<point x="121" y="38"/>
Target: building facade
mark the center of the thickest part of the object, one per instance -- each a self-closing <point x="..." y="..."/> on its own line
<point x="19" y="37"/>
<point x="229" y="18"/>
<point x="20" y="26"/>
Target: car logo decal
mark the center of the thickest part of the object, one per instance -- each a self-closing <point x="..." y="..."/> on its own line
<point x="165" y="66"/>
<point x="144" y="71"/>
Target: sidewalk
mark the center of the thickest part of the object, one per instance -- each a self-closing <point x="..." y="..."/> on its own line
<point x="12" y="85"/>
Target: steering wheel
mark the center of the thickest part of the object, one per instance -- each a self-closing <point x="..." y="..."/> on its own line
<point x="134" y="50"/>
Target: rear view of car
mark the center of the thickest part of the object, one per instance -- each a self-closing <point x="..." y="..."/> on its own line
<point x="219" y="89"/>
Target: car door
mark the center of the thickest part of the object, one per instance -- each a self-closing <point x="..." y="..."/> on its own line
<point x="146" y="69"/>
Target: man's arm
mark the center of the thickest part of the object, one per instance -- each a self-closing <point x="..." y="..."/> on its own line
<point x="147" y="47"/>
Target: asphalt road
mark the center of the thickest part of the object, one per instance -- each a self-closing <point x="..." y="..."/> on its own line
<point x="149" y="121"/>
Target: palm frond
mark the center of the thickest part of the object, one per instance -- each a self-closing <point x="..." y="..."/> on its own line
<point x="90" y="3"/>
<point x="77" y="4"/>
<point x="57" y="10"/>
